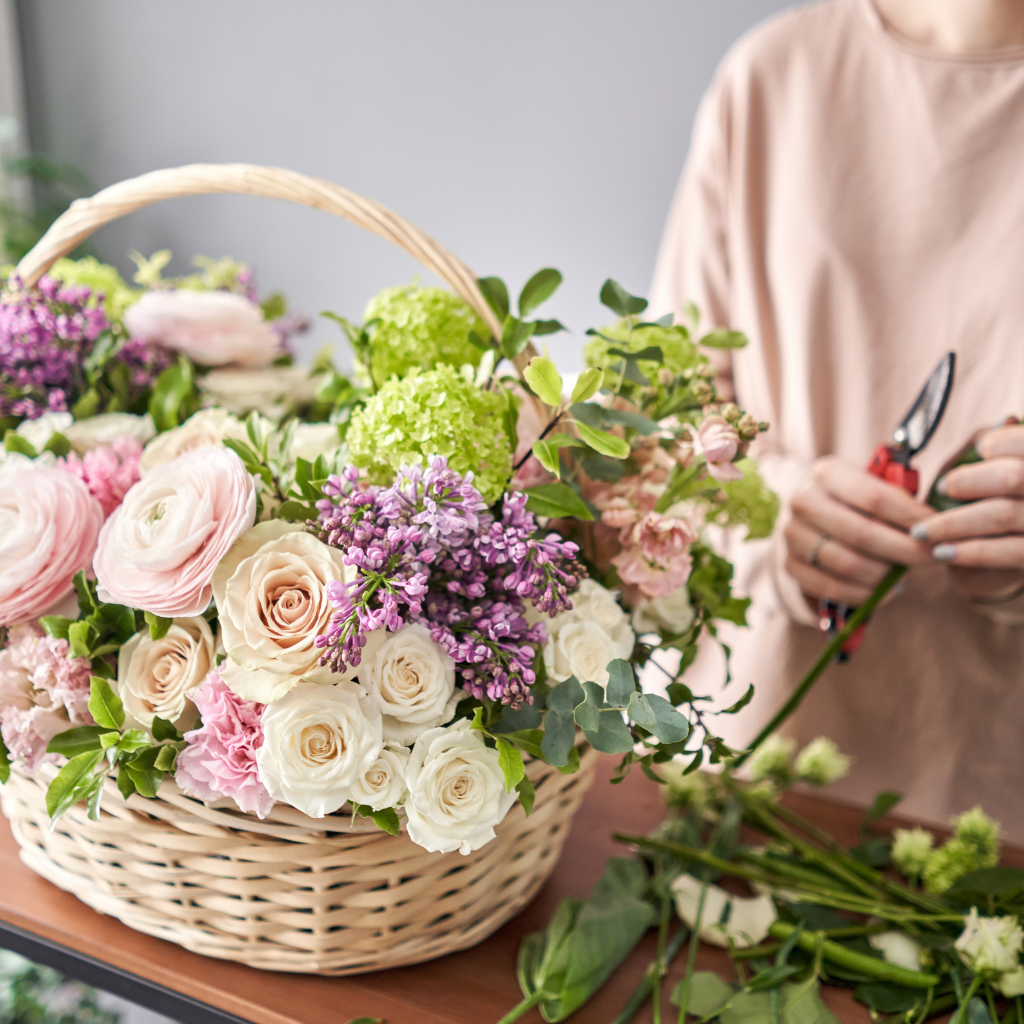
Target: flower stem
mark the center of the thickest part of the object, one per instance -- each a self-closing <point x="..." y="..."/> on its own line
<point x="961" y="1011"/>
<point x="666" y="907"/>
<point x="656" y="970"/>
<point x="524" y="1007"/>
<point x="835" y="646"/>
<point x="691" y="957"/>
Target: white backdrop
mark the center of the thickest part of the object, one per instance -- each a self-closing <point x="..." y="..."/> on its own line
<point x="540" y="132"/>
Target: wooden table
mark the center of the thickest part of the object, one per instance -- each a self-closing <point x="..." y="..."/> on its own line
<point x="474" y="987"/>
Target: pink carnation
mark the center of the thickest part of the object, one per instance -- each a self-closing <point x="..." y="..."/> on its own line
<point x="107" y="471"/>
<point x="656" y="554"/>
<point x="220" y="759"/>
<point x="42" y="693"/>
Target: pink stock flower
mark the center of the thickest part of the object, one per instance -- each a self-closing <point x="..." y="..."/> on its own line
<point x="719" y="442"/>
<point x="656" y="554"/>
<point x="220" y="759"/>
<point x="108" y="471"/>
<point x="49" y="523"/>
<point x="42" y="693"/>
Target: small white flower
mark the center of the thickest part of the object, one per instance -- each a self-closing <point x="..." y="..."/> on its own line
<point x="456" y="790"/>
<point x="319" y="742"/>
<point x="107" y="428"/>
<point x="744" y="920"/>
<point x="820" y="763"/>
<point x="990" y="946"/>
<point x="898" y="949"/>
<point x="672" y="614"/>
<point x="412" y="679"/>
<point x="38" y="432"/>
<point x="383" y="783"/>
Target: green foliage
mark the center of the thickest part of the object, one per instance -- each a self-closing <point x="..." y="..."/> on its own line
<point x="419" y="327"/>
<point x="385" y="819"/>
<point x="516" y="331"/>
<point x="175" y="395"/>
<point x="749" y="503"/>
<point x="678" y="352"/>
<point x="711" y="998"/>
<point x="33" y="994"/>
<point x="545" y="381"/>
<point x="556" y="501"/>
<point x="433" y="412"/>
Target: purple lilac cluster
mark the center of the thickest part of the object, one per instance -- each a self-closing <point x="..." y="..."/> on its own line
<point x="46" y="334"/>
<point x="429" y="550"/>
<point x="145" y="362"/>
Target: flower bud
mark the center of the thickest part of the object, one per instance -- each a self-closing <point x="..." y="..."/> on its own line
<point x="665" y="376"/>
<point x="731" y="411"/>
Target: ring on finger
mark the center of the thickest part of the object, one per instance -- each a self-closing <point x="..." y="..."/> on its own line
<point x="815" y="555"/>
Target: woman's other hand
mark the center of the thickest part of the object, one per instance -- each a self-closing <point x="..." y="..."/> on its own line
<point x="847" y="529"/>
<point x="983" y="542"/>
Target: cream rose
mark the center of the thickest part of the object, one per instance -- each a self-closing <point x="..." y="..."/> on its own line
<point x="271" y="391"/>
<point x="206" y="428"/>
<point x="583" y="640"/>
<point x="108" y="427"/>
<point x="456" y="790"/>
<point x="318" y="742"/>
<point x="155" y="677"/>
<point x="413" y="681"/>
<point x="212" y="328"/>
<point x="311" y="440"/>
<point x="383" y="785"/>
<point x="159" y="548"/>
<point x="271" y="594"/>
<point x="672" y="614"/>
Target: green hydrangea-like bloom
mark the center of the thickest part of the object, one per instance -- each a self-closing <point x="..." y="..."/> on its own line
<point x="820" y="763"/>
<point x="951" y="862"/>
<point x="100" y="277"/>
<point x="433" y="412"/>
<point x="978" y="830"/>
<point x="773" y="760"/>
<point x="680" y="353"/>
<point x="910" y="850"/>
<point x="749" y="503"/>
<point x="420" y="328"/>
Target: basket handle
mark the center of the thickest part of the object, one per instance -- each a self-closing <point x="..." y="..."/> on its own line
<point x="86" y="215"/>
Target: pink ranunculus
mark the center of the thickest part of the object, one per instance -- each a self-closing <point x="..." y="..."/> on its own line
<point x="108" y="471"/>
<point x="48" y="527"/>
<point x="43" y="692"/>
<point x="212" y="328"/>
<point x="159" y="548"/>
<point x="220" y="759"/>
<point x="719" y="442"/>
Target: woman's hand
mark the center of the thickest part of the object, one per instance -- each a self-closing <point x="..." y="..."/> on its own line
<point x="983" y="543"/>
<point x="847" y="529"/>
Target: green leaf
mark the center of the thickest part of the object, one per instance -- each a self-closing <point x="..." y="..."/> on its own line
<point x="94" y="797"/>
<point x="5" y="762"/>
<point x="587" y="385"/>
<point x="163" y="730"/>
<point x="146" y="781"/>
<point x="559" y="736"/>
<point x="528" y="740"/>
<point x="741" y="703"/>
<point x="274" y="306"/>
<point x="527" y="794"/>
<point x="606" y="444"/>
<point x="547" y="450"/>
<point x="58" y="444"/>
<point x="174" y="396"/>
<point x="658" y="716"/>
<point x="157" y="626"/>
<point x="125" y="785"/>
<point x="771" y="977"/>
<point x="166" y="758"/>
<point x="85" y="589"/>
<point x="81" y="636"/>
<point x="708" y="994"/>
<point x="541" y="327"/>
<point x="604" y="728"/>
<point x="723" y="339"/>
<point x="883" y="803"/>
<point x="56" y="626"/>
<point x="14" y="442"/>
<point x="511" y="762"/>
<point x="132" y="740"/>
<point x="496" y="294"/>
<point x="995" y="881"/>
<point x="386" y="819"/>
<point x="619" y="301"/>
<point x="887" y="998"/>
<point x="545" y="381"/>
<point x="296" y="512"/>
<point x="538" y="290"/>
<point x="71" y="782"/>
<point x="79" y="740"/>
<point x="556" y="501"/>
<point x="621" y="683"/>
<point x="109" y="739"/>
<point x="104" y="705"/>
<point x="595" y="415"/>
<point x="514" y="337"/>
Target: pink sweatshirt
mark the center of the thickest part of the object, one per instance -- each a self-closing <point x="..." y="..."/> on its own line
<point x="856" y="205"/>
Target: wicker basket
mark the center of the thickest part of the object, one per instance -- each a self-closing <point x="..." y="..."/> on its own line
<point x="289" y="893"/>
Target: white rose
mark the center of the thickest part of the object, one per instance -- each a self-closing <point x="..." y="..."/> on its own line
<point x="271" y="392"/>
<point x="990" y="946"/>
<point x="155" y="677"/>
<point x="672" y="614"/>
<point x="456" y="790"/>
<point x="318" y="742"/>
<point x="311" y="440"/>
<point x="206" y="428"/>
<point x="212" y="328"/>
<point x="412" y="679"/>
<point x="38" y="432"/>
<point x="747" y="918"/>
<point x="596" y="631"/>
<point x="383" y="784"/>
<point x="107" y="428"/>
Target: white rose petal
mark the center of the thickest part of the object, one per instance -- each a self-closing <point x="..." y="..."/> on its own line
<point x="270" y="392"/>
<point x="412" y="679"/>
<point x="108" y="427"/>
<point x="898" y="949"/>
<point x="206" y="428"/>
<point x="747" y="918"/>
<point x="672" y="614"/>
<point x="383" y="784"/>
<point x="456" y="790"/>
<point x="318" y="742"/>
<point x="310" y="440"/>
<point x="990" y="946"/>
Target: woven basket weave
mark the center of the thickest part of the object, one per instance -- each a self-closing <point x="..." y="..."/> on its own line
<point x="288" y="893"/>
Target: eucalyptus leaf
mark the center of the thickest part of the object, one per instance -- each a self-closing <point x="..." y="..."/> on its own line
<point x="621" y="683"/>
<point x="619" y="301"/>
<point x="538" y="290"/>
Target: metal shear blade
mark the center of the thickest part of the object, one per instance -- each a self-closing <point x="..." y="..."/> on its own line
<point x="916" y="428"/>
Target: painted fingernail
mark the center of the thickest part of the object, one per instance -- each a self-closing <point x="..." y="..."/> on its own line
<point x="919" y="531"/>
<point x="944" y="552"/>
<point x="900" y="588"/>
<point x="942" y="486"/>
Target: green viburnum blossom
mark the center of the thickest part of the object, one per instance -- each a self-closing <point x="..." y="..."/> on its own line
<point x="910" y="850"/>
<point x="820" y="763"/>
<point x="975" y="844"/>
<point x="749" y="503"/>
<point x="433" y="412"/>
<point x="420" y="327"/>
<point x="978" y="830"/>
<point x="100" y="277"/>
<point x="773" y="760"/>
<point x="679" y="351"/>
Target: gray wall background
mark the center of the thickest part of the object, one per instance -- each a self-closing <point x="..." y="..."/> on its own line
<point x="526" y="134"/>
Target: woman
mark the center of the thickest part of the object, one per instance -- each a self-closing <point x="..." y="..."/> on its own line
<point x="854" y="201"/>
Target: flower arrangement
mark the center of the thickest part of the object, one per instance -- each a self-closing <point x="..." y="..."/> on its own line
<point x="374" y="595"/>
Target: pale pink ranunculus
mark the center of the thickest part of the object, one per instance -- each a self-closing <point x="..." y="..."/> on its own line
<point x="49" y="523"/>
<point x="656" y="554"/>
<point x="220" y="759"/>
<point x="212" y="328"/>
<point x="108" y="471"/>
<point x="160" y="547"/>
<point x="719" y="442"/>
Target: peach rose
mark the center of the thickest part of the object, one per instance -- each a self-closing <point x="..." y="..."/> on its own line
<point x="49" y="523"/>
<point x="159" y="549"/>
<point x="211" y="328"/>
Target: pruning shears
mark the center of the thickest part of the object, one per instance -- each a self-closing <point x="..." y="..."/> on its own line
<point x="891" y="462"/>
